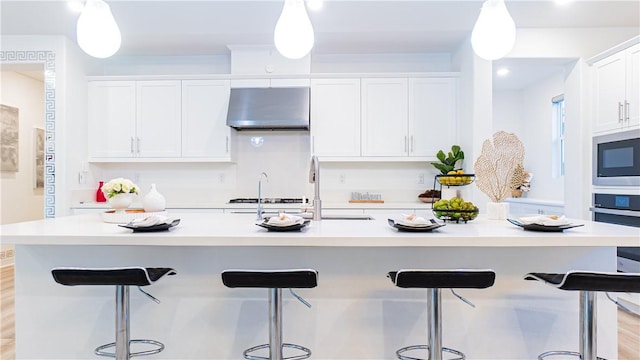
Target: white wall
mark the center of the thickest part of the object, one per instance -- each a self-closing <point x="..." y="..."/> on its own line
<point x="20" y="201"/>
<point x="508" y="113"/>
<point x="536" y="117"/>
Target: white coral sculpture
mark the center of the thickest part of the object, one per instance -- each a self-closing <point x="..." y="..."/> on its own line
<point x="496" y="164"/>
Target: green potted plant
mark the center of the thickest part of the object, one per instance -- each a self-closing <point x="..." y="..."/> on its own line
<point x="448" y="161"/>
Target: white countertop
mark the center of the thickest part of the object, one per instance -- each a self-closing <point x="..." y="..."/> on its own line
<point x="225" y="205"/>
<point x="240" y="230"/>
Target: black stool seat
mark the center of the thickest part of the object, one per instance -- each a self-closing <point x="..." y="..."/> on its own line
<point x="590" y="281"/>
<point x="128" y="276"/>
<point x="434" y="279"/>
<point x="273" y="279"/>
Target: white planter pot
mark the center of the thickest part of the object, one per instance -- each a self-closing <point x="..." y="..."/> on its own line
<point x="497" y="211"/>
<point x="120" y="202"/>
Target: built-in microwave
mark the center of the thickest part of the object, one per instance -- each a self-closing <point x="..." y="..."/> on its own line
<point x="616" y="159"/>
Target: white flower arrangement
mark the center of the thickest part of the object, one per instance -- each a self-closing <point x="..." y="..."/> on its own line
<point x="119" y="186"/>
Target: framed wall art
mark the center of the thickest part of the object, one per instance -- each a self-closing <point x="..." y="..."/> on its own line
<point x="38" y="158"/>
<point x="9" y="132"/>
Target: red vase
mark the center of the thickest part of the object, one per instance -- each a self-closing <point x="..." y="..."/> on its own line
<point x="99" y="194"/>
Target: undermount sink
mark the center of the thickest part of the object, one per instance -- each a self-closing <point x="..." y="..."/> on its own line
<point x="346" y="217"/>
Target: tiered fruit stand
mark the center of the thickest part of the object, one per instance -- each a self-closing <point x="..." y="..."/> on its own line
<point x="454" y="215"/>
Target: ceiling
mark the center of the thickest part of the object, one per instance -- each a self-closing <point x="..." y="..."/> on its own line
<point x="206" y="27"/>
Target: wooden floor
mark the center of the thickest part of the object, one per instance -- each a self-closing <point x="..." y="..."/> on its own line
<point x="7" y="333"/>
<point x="628" y="325"/>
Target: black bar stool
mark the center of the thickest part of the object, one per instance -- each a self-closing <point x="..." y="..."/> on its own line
<point x="275" y="281"/>
<point x="588" y="283"/>
<point x="433" y="281"/>
<point x="121" y="278"/>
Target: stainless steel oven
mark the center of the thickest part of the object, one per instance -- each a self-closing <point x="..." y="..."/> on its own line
<point x="622" y="210"/>
<point x="616" y="159"/>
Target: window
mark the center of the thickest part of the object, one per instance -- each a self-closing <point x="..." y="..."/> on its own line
<point x="557" y="103"/>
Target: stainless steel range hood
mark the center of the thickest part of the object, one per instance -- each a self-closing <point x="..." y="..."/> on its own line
<point x="269" y="108"/>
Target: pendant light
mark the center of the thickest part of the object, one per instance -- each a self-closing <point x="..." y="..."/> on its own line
<point x="97" y="31"/>
<point x="293" y="35"/>
<point x="494" y="33"/>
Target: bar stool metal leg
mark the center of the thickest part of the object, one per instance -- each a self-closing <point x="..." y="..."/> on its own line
<point x="122" y="345"/>
<point x="275" y="324"/>
<point x="435" y="324"/>
<point x="276" y="345"/>
<point x="434" y="327"/>
<point x="122" y="350"/>
<point x="588" y="344"/>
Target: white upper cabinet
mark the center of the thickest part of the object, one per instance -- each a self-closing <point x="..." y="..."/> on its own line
<point x="204" y="118"/>
<point x="616" y="91"/>
<point x="112" y="119"/>
<point x="158" y="120"/>
<point x="335" y="117"/>
<point x="412" y="117"/>
<point x="158" y="125"/>
<point x="384" y="117"/>
<point x="134" y="119"/>
<point x="433" y="115"/>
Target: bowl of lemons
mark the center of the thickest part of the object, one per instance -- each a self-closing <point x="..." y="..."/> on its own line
<point x="456" y="178"/>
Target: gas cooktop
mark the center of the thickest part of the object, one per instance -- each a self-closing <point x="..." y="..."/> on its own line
<point x="268" y="201"/>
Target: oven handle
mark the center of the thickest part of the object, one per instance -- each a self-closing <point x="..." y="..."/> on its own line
<point x="615" y="212"/>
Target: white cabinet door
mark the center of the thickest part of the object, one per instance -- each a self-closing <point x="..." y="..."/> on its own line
<point x="204" y="118"/>
<point x="111" y="119"/>
<point x="384" y="117"/>
<point x="616" y="103"/>
<point x="335" y="117"/>
<point x="433" y="115"/>
<point x="158" y="123"/>
<point x="609" y="93"/>
<point x="633" y="86"/>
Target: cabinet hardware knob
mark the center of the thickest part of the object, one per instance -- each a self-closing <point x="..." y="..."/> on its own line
<point x="132" y="145"/>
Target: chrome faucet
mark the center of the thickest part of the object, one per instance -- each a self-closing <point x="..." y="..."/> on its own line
<point x="259" y="209"/>
<point x="314" y="178"/>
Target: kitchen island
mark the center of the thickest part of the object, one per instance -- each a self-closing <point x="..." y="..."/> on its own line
<point x="357" y="313"/>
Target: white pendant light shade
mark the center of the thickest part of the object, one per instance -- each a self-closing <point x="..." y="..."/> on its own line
<point x="293" y="35"/>
<point x="494" y="33"/>
<point x="97" y="31"/>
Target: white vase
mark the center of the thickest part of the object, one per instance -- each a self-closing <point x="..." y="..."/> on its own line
<point x="497" y="211"/>
<point x="153" y="201"/>
<point x="120" y="202"/>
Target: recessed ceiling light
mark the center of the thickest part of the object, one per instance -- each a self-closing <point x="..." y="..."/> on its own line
<point x="502" y="72"/>
<point x="75" y="5"/>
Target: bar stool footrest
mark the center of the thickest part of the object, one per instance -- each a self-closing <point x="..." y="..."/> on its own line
<point x="562" y="353"/>
<point x="306" y="352"/>
<point x="160" y="346"/>
<point x="426" y="347"/>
